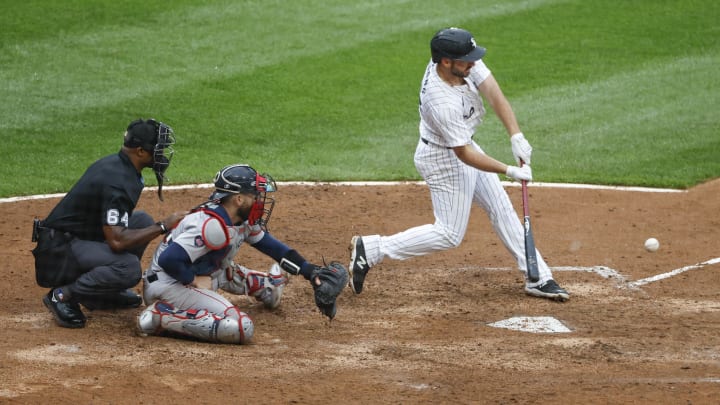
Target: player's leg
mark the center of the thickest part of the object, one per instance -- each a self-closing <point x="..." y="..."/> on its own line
<point x="494" y="200"/>
<point x="265" y="287"/>
<point x="492" y="197"/>
<point x="195" y="312"/>
<point x="108" y="277"/>
<point x="119" y="297"/>
<point x="162" y="318"/>
<point x="451" y="183"/>
<point x="451" y="186"/>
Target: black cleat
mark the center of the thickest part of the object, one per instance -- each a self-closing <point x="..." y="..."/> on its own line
<point x="550" y="290"/>
<point x="66" y="314"/>
<point x="358" y="264"/>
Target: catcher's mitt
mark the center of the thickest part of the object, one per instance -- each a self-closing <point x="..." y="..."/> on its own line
<point x="333" y="278"/>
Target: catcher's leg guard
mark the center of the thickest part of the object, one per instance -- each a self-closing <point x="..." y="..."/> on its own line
<point x="161" y="317"/>
<point x="265" y="287"/>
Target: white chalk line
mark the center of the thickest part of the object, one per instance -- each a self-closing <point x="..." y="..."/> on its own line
<point x="675" y="272"/>
<point x="602" y="271"/>
<point x="376" y="184"/>
<point x="609" y="273"/>
<point x="547" y="324"/>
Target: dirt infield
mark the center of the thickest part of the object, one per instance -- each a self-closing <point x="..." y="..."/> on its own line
<point x="420" y="331"/>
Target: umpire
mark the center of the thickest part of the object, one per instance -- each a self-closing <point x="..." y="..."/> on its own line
<point x="89" y="246"/>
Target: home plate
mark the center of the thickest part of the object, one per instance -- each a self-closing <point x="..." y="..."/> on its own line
<point x="533" y="324"/>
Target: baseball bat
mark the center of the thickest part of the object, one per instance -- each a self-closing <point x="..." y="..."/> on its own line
<point x="530" y="253"/>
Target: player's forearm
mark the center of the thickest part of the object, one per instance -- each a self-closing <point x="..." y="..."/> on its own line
<point x="471" y="157"/>
<point x="121" y="239"/>
<point x="505" y="113"/>
<point x="490" y="90"/>
<point x="289" y="259"/>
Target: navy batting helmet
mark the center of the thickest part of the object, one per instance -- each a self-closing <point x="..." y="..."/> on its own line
<point x="455" y="43"/>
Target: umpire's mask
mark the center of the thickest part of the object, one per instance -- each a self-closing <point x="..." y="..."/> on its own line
<point x="156" y="138"/>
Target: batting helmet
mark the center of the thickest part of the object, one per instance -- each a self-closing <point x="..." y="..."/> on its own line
<point x="243" y="179"/>
<point x="455" y="43"/>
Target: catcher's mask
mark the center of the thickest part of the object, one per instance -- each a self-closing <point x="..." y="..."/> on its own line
<point x="243" y="179"/>
<point x="156" y="138"/>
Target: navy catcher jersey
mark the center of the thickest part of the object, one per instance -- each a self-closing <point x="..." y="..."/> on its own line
<point x="105" y="195"/>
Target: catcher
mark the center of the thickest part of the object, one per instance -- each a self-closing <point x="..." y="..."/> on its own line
<point x="204" y="243"/>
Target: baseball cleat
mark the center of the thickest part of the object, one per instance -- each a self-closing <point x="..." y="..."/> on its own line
<point x="66" y="314"/>
<point x="550" y="290"/>
<point x="358" y="264"/>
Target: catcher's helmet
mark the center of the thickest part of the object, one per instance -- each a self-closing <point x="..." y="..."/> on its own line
<point x="455" y="43"/>
<point x="243" y="179"/>
<point x="240" y="179"/>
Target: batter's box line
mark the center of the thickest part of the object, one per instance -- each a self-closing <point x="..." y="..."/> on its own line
<point x="675" y="272"/>
<point x="609" y="273"/>
<point x="602" y="271"/>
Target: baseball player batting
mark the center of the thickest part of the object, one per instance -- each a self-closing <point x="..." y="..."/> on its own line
<point x="456" y="169"/>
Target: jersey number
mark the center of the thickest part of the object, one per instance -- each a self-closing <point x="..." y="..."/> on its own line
<point x="113" y="218"/>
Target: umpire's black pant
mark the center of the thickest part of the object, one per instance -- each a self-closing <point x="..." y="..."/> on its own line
<point x="105" y="271"/>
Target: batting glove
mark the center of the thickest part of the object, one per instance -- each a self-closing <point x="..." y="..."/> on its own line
<point x="521" y="148"/>
<point x="519" y="173"/>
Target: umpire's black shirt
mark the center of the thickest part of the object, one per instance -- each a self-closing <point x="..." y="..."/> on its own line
<point x="105" y="195"/>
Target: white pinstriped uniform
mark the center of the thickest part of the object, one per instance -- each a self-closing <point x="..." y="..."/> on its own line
<point x="449" y="116"/>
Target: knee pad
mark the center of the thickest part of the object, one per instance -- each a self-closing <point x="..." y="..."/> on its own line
<point x="200" y="324"/>
<point x="149" y="319"/>
<point x="243" y="323"/>
<point x="238" y="331"/>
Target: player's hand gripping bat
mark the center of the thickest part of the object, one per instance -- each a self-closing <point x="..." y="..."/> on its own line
<point x="530" y="253"/>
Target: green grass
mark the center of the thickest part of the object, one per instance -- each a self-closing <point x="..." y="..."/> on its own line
<point x="618" y="92"/>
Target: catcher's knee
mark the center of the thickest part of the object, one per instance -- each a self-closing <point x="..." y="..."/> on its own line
<point x="161" y="317"/>
<point x="238" y="331"/>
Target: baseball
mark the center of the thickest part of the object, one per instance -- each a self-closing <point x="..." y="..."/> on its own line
<point x="652" y="245"/>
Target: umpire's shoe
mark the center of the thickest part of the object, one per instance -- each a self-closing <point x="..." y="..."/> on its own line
<point x="358" y="264"/>
<point x="67" y="314"/>
<point x="550" y="290"/>
<point x="120" y="300"/>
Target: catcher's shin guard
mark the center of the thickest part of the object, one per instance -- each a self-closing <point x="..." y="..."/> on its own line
<point x="265" y="287"/>
<point x="161" y="317"/>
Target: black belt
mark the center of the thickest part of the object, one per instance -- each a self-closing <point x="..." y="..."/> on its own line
<point x="426" y="142"/>
<point x="152" y="277"/>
